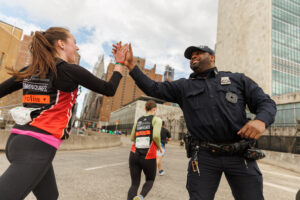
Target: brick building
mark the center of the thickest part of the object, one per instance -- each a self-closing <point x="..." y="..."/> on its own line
<point x="10" y="41"/>
<point x="127" y="91"/>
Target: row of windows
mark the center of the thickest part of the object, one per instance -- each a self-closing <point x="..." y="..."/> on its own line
<point x="281" y="51"/>
<point x="297" y="2"/>
<point x="280" y="88"/>
<point x="285" y="78"/>
<point x="285" y="16"/>
<point x="287" y="6"/>
<point x="285" y="62"/>
<point x="285" y="28"/>
<point x="286" y="40"/>
<point x="285" y="46"/>
<point x="287" y="68"/>
<point x="283" y="83"/>
<point x="287" y="114"/>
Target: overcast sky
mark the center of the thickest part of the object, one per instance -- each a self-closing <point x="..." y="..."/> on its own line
<point x="159" y="30"/>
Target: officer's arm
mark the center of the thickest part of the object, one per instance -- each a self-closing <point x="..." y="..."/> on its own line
<point x="169" y="91"/>
<point x="132" y="136"/>
<point x="258" y="102"/>
<point x="156" y="123"/>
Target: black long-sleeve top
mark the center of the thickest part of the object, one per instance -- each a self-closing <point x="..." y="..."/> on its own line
<point x="69" y="76"/>
<point x="54" y="117"/>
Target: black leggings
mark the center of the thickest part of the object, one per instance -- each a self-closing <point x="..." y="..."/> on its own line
<point x="30" y="169"/>
<point x="136" y="165"/>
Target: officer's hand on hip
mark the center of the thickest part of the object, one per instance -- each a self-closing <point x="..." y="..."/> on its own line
<point x="253" y="129"/>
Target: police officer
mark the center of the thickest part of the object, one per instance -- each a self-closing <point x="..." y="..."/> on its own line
<point x="213" y="103"/>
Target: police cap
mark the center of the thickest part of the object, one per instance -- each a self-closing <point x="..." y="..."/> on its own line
<point x="189" y="51"/>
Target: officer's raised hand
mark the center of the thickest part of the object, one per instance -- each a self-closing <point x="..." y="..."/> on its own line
<point x="253" y="129"/>
<point x="128" y="59"/>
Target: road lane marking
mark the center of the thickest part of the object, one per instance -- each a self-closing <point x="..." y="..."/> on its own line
<point x="282" y="175"/>
<point x="281" y="187"/>
<point x="104" y="166"/>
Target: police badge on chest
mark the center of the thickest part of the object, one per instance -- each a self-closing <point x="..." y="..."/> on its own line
<point x="230" y="96"/>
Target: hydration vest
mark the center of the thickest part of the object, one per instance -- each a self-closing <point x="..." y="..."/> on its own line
<point x="144" y="145"/>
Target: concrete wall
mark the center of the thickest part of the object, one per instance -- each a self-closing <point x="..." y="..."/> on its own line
<point x="244" y="39"/>
<point x="287" y="98"/>
<point x="77" y="142"/>
<point x="285" y="160"/>
<point x="282" y="131"/>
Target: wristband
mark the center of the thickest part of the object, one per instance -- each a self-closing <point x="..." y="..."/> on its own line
<point x="119" y="63"/>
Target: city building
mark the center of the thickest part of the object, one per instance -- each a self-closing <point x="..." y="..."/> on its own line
<point x="92" y="101"/>
<point x="127" y="91"/>
<point x="169" y="73"/>
<point x="10" y="40"/>
<point x="262" y="40"/>
<point x="24" y="52"/>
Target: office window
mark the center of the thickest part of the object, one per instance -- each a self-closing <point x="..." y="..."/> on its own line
<point x="285" y="46"/>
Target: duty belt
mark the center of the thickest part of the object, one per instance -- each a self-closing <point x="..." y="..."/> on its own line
<point x="223" y="148"/>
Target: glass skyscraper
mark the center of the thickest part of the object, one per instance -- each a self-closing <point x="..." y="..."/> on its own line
<point x="285" y="46"/>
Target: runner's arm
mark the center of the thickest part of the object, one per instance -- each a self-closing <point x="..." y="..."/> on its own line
<point x="132" y="136"/>
<point x="157" y="123"/>
<point x="9" y="86"/>
<point x="83" y="77"/>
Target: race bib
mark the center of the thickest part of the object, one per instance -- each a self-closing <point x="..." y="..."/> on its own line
<point x="21" y="115"/>
<point x="142" y="142"/>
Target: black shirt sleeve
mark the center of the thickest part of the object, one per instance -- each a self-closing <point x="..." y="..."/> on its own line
<point x="258" y="102"/>
<point x="169" y="91"/>
<point x="81" y="76"/>
<point x="9" y="86"/>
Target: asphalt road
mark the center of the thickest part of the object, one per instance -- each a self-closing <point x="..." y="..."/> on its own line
<point x="104" y="174"/>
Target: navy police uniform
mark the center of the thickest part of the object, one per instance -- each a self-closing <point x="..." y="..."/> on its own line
<point x="213" y="104"/>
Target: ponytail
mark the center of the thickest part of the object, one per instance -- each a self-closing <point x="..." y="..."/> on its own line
<point x="43" y="52"/>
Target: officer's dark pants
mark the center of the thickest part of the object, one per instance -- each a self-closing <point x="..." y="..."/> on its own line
<point x="245" y="179"/>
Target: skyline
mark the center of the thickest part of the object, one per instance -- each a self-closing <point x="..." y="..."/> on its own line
<point x="159" y="31"/>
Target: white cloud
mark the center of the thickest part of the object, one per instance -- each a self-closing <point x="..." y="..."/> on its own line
<point x="159" y="30"/>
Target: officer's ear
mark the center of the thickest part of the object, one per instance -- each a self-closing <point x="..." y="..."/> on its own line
<point x="212" y="58"/>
